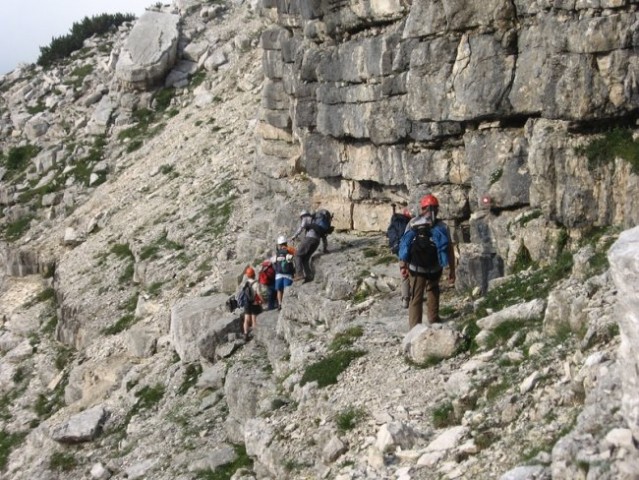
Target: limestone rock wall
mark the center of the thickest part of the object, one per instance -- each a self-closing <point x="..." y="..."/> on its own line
<point x="384" y="101"/>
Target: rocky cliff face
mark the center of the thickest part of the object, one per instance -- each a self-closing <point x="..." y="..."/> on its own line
<point x="140" y="176"/>
<point x="483" y="104"/>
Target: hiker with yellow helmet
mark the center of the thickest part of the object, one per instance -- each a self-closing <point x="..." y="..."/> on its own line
<point x="425" y="249"/>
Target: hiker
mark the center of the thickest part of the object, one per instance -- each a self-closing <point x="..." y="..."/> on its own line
<point x="425" y="249"/>
<point x="394" y="233"/>
<point x="284" y="268"/>
<point x="307" y="248"/>
<point x="266" y="280"/>
<point x="252" y="302"/>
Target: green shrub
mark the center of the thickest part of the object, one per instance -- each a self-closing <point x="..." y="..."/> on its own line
<point x="163" y="98"/>
<point x="62" y="462"/>
<point x="326" y="371"/>
<point x="8" y="441"/>
<point x="122" y="250"/>
<point x="64" y="355"/>
<point x="617" y="142"/>
<point x="346" y="338"/>
<point x="191" y="375"/>
<point x="443" y="415"/>
<point x="347" y="419"/>
<point x="63" y="46"/>
<point x="18" y="159"/>
<point x="14" y="230"/>
<point x="123" y="323"/>
<point x="523" y="260"/>
<point x="226" y="471"/>
<point x="148" y="397"/>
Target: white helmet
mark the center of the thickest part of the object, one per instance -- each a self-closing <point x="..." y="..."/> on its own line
<point x="281" y="240"/>
<point x="303" y="213"/>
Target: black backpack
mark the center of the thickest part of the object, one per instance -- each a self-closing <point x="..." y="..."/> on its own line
<point x="395" y="231"/>
<point x="282" y="265"/>
<point x="321" y="222"/>
<point x="423" y="251"/>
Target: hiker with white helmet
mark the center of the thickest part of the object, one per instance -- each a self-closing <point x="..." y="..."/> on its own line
<point x="284" y="268"/>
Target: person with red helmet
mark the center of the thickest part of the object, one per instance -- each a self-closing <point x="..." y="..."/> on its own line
<point x="425" y="249"/>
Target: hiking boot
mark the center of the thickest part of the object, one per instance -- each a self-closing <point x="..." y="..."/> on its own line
<point x="297" y="278"/>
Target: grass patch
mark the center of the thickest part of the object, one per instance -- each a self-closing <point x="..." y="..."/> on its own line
<point x="504" y="331"/>
<point x="615" y="143"/>
<point x="46" y="405"/>
<point x="524" y="288"/>
<point x="62" y="462"/>
<point x="443" y="415"/>
<point x="346" y="339"/>
<point x="63" y="356"/>
<point x="152" y="250"/>
<point x="191" y="375"/>
<point x="326" y="371"/>
<point x="147" y="397"/>
<point x="523" y="260"/>
<point x="14" y="230"/>
<point x="8" y="441"/>
<point x="18" y="159"/>
<point x="218" y="213"/>
<point x="347" y="419"/>
<point x="226" y="471"/>
<point x="123" y="323"/>
<point x="122" y="250"/>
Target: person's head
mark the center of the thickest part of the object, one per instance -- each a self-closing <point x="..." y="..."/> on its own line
<point x="249" y="272"/>
<point x="281" y="240"/>
<point x="304" y="213"/>
<point x="429" y="206"/>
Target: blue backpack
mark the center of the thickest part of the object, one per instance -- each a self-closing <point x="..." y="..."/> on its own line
<point x="321" y="222"/>
<point x="245" y="296"/>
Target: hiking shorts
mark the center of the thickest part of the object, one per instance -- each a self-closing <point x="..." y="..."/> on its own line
<point x="253" y="309"/>
<point x="282" y="282"/>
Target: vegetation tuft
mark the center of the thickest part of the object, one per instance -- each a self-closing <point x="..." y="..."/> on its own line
<point x="444" y="415"/>
<point x="62" y="462"/>
<point x="617" y="142"/>
<point x="347" y="419"/>
<point x="191" y="375"/>
<point x="63" y="46"/>
<point x="326" y="371"/>
<point x="8" y="441"/>
<point x="226" y="471"/>
<point x="346" y="338"/>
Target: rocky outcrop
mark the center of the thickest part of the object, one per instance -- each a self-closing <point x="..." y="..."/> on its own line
<point x="380" y="102"/>
<point x="150" y="50"/>
<point x="625" y="273"/>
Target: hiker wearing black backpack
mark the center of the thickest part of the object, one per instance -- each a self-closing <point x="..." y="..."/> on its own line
<point x="316" y="227"/>
<point x="394" y="233"/>
<point x="425" y="249"/>
<point x="284" y="268"/>
<point x="249" y="298"/>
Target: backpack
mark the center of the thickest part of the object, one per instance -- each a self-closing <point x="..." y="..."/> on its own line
<point x="423" y="250"/>
<point x="267" y="274"/>
<point x="321" y="222"/>
<point x="282" y="264"/>
<point x="245" y="296"/>
<point x="231" y="304"/>
<point x="395" y="231"/>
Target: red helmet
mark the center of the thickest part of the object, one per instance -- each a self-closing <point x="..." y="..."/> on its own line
<point x="249" y="272"/>
<point x="429" y="201"/>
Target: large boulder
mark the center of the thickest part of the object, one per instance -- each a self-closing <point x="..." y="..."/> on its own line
<point x="150" y="51"/>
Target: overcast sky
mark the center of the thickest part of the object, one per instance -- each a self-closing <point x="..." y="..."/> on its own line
<point x="27" y="25"/>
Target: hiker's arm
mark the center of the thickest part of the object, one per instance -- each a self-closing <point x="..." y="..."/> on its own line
<point x="299" y="229"/>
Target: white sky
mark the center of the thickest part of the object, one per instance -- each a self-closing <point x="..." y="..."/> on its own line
<point x="27" y="25"/>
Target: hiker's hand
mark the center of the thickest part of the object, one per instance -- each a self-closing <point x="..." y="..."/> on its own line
<point x="403" y="271"/>
<point x="451" y="278"/>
